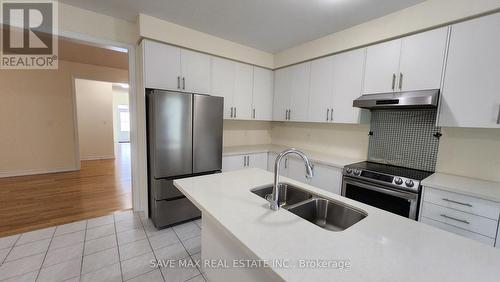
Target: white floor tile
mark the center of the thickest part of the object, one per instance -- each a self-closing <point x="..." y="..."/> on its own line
<point x="198" y="222"/>
<point x="134" y="249"/>
<point x="180" y="273"/>
<point x="151" y="230"/>
<point x="164" y="239"/>
<point x="198" y="278"/>
<point x="101" y="259"/>
<point x="70" y="227"/>
<point x="101" y="231"/>
<point x="100" y="244"/>
<point x="110" y="273"/>
<point x="130" y="236"/>
<point x="128" y="224"/>
<point x="3" y="254"/>
<point x="193" y="245"/>
<point x="175" y="251"/>
<point x="7" y="242"/>
<point x="187" y="230"/>
<point x="36" y="235"/>
<point x="67" y="240"/>
<point x="27" y="277"/>
<point x="100" y="221"/>
<point x="137" y="266"/>
<point x="60" y="272"/>
<point x="125" y="215"/>
<point x="55" y="256"/>
<point x="153" y="276"/>
<point x="20" y="266"/>
<point x="74" y="279"/>
<point x="29" y="249"/>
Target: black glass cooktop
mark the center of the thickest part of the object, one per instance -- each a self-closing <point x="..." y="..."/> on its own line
<point x="392" y="170"/>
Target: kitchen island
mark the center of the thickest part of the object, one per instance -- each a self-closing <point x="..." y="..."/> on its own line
<point x="238" y="226"/>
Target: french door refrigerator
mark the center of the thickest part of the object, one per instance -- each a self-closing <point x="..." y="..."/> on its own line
<point x="184" y="140"/>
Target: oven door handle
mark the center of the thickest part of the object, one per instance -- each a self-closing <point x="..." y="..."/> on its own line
<point x="376" y="188"/>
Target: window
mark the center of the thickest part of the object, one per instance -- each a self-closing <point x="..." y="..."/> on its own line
<point x="125" y="121"/>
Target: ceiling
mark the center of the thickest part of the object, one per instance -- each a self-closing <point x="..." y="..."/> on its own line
<point x="268" y="25"/>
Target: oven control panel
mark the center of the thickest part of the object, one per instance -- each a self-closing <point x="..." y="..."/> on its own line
<point x="395" y="181"/>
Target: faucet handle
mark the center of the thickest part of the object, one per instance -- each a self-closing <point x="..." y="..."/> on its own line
<point x="309" y="171"/>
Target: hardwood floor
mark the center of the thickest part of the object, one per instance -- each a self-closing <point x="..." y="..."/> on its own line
<point x="33" y="202"/>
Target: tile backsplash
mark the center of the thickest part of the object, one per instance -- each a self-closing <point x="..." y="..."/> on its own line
<point x="404" y="138"/>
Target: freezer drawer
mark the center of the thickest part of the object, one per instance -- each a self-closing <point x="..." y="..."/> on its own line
<point x="174" y="211"/>
<point x="164" y="189"/>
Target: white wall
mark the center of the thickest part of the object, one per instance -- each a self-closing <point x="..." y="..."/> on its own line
<point x="422" y="16"/>
<point x="240" y="133"/>
<point x="94" y="107"/>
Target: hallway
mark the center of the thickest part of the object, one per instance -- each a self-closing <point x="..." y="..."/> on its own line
<point x="99" y="188"/>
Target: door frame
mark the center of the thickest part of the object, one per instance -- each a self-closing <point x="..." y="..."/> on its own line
<point x="136" y="173"/>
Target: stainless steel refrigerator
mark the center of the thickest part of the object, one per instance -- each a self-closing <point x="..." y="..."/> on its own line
<point x="184" y="140"/>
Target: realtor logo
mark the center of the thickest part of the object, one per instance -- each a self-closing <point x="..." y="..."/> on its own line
<point x="29" y="39"/>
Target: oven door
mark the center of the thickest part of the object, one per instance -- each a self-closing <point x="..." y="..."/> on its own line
<point x="398" y="202"/>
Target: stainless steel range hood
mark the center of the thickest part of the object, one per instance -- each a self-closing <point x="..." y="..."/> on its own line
<point x="399" y="100"/>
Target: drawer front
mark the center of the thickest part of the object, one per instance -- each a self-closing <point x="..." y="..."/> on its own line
<point x="463" y="203"/>
<point x="446" y="227"/>
<point x="474" y="223"/>
<point x="164" y="189"/>
<point x="174" y="211"/>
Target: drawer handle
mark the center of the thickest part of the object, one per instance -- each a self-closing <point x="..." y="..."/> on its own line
<point x="458" y="203"/>
<point x="456" y="219"/>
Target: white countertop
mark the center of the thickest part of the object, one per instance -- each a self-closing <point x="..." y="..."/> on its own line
<point x="483" y="189"/>
<point x="381" y="247"/>
<point x="317" y="157"/>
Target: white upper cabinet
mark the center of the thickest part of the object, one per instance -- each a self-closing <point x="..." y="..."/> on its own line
<point x="382" y="66"/>
<point x="471" y="88"/>
<point x="162" y="66"/>
<point x="282" y="98"/>
<point x="321" y="90"/>
<point x="223" y="75"/>
<point x="243" y="85"/>
<point x="263" y="87"/>
<point x="347" y="77"/>
<point x="299" y="92"/>
<point x="422" y="60"/>
<point x="195" y="69"/>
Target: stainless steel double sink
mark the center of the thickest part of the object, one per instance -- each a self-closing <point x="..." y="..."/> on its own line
<point x="325" y="213"/>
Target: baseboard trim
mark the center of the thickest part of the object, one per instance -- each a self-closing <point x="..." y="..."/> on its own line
<point x="35" y="172"/>
<point x="95" y="158"/>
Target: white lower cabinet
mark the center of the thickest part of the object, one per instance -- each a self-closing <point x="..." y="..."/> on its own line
<point x="464" y="215"/>
<point x="498" y="239"/>
<point x="325" y="177"/>
<point x="237" y="162"/>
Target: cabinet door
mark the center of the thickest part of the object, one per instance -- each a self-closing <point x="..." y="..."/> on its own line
<point x="282" y="88"/>
<point x="258" y="161"/>
<point x="497" y="244"/>
<point x="195" y="69"/>
<point x="347" y="84"/>
<point x="321" y="90"/>
<point x="230" y="163"/>
<point x="263" y="86"/>
<point x="297" y="170"/>
<point x="382" y="66"/>
<point x="162" y="65"/>
<point x="471" y="89"/>
<point x="422" y="60"/>
<point x="243" y="84"/>
<point x="223" y="82"/>
<point x="327" y="178"/>
<point x="299" y="98"/>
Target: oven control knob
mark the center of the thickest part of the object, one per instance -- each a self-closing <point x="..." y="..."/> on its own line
<point x="349" y="170"/>
<point x="357" y="172"/>
<point x="398" y="181"/>
<point x="409" y="183"/>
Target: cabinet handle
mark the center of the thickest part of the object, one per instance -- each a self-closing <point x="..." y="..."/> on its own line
<point x="331" y="114"/>
<point x="393" y="81"/>
<point x="498" y="117"/>
<point x="286" y="163"/>
<point x="286" y="114"/>
<point x="248" y="160"/>
<point x="235" y="112"/>
<point x="184" y="83"/>
<point x="253" y="114"/>
<point x="289" y="114"/>
<point x="455" y="219"/>
<point x="458" y="203"/>
<point x="231" y="112"/>
<point x="401" y="81"/>
<point x="244" y="161"/>
<point x="178" y="82"/>
<point x="327" y="114"/>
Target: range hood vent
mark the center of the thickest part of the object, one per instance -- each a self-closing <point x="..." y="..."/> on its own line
<point x="399" y="100"/>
